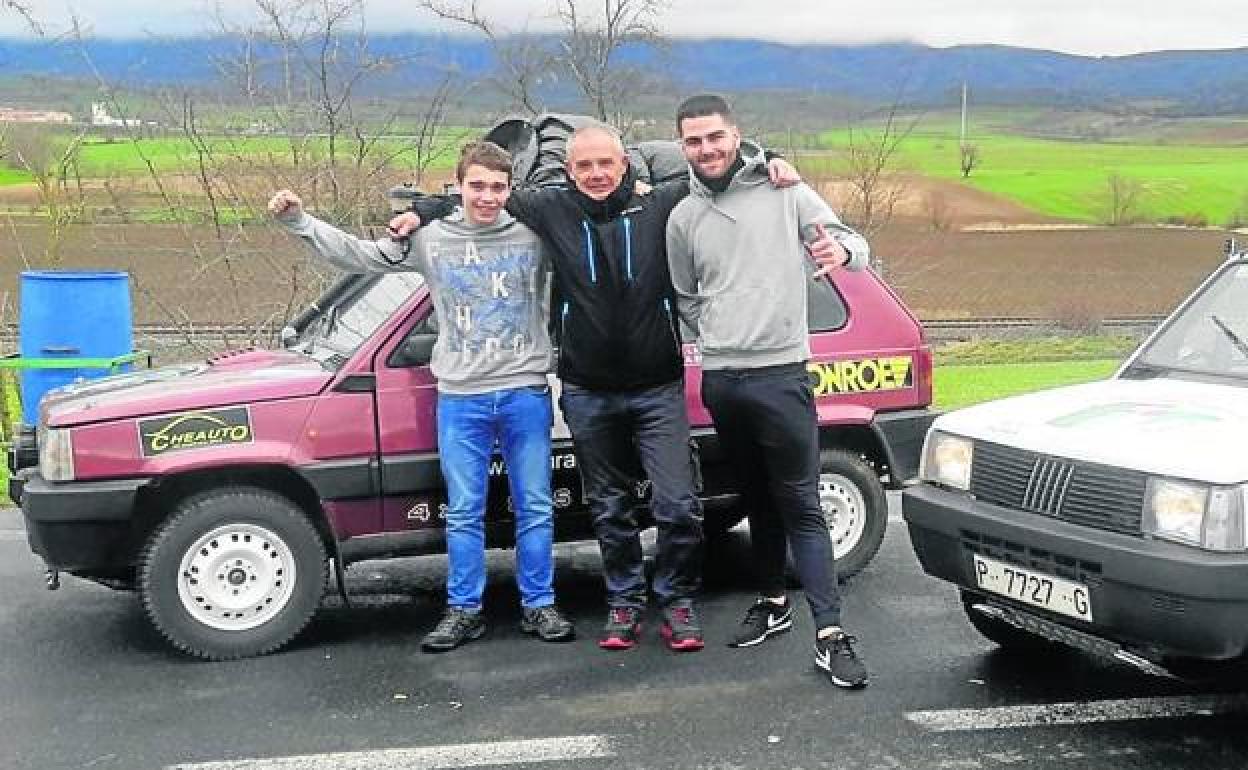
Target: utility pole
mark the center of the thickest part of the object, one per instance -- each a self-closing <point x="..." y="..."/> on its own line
<point x="962" y="134"/>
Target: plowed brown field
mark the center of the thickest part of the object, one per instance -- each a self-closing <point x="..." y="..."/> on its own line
<point x="258" y="274"/>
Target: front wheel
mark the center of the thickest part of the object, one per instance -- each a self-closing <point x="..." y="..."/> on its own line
<point x="233" y="573"/>
<point x="854" y="507"/>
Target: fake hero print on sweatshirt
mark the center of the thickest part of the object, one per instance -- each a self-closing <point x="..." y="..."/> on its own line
<point x="491" y="294"/>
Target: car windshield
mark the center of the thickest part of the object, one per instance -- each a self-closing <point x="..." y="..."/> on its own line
<point x="1210" y="337"/>
<point x="338" y="330"/>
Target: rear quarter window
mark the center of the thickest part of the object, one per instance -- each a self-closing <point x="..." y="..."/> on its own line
<point x="825" y="309"/>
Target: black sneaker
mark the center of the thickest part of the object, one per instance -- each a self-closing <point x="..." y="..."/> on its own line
<point x="456" y="627"/>
<point x="762" y="620"/>
<point x="680" y="627"/>
<point x="548" y="623"/>
<point x="836" y="657"/>
<point x="622" y="628"/>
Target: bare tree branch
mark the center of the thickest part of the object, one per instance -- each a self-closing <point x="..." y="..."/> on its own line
<point x="24" y="10"/>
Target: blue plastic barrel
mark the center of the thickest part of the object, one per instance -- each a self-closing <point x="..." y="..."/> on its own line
<point x="70" y="314"/>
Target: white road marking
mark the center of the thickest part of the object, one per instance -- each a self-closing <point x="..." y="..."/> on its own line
<point x="565" y="749"/>
<point x="13" y="534"/>
<point x="1080" y="713"/>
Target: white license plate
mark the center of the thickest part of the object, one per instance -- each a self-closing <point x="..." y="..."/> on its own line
<point x="1035" y="588"/>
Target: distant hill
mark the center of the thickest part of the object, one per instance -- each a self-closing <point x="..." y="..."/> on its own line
<point x="1175" y="82"/>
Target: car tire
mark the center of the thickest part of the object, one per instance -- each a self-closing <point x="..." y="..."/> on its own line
<point x="1005" y="635"/>
<point x="855" y="509"/>
<point x="233" y="573"/>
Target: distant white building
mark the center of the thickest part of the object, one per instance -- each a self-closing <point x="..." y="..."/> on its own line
<point x="100" y="117"/>
<point x="11" y="115"/>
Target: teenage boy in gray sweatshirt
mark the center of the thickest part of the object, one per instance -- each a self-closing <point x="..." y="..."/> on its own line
<point x="490" y="284"/>
<point x="741" y="253"/>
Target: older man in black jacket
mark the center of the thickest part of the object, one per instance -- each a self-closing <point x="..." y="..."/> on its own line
<point x="622" y="370"/>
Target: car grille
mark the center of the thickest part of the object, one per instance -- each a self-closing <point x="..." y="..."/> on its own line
<point x="1098" y="496"/>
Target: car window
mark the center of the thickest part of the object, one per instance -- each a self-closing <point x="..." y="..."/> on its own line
<point x="1211" y="335"/>
<point x="416" y="349"/>
<point x="825" y="309"/>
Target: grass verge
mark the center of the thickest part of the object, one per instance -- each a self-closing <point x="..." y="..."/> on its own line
<point x="960" y="385"/>
<point x="10" y="415"/>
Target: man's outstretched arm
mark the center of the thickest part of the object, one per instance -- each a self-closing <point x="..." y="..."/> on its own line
<point x="341" y="249"/>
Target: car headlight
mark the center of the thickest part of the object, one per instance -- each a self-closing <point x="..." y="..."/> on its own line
<point x="947" y="460"/>
<point x="1195" y="514"/>
<point x="56" y="455"/>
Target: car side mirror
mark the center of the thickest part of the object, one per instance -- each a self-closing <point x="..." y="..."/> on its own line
<point x="416" y="350"/>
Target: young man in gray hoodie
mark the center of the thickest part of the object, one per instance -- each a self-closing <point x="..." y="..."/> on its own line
<point x="741" y="255"/>
<point x="490" y="284"/>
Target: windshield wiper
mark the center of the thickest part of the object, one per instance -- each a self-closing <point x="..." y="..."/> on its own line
<point x="1235" y="339"/>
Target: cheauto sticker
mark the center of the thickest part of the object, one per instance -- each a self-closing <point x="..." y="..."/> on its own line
<point x="864" y="375"/>
<point x="195" y="430"/>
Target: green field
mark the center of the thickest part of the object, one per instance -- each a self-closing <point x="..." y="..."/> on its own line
<point x="1180" y="176"/>
<point x="1183" y="171"/>
<point x="106" y="158"/>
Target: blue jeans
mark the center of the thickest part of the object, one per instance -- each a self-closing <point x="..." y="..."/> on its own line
<point x="519" y="420"/>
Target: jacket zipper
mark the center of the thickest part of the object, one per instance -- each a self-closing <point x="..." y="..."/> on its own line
<point x="589" y="252"/>
<point x="671" y="324"/>
<point x="628" y="247"/>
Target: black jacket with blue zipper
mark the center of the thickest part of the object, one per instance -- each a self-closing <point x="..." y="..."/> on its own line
<point x="614" y="312"/>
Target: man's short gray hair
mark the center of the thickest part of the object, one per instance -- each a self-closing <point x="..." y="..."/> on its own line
<point x="596" y="127"/>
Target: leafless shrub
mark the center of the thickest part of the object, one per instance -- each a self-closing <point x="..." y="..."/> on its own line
<point x="968" y="158"/>
<point x="1078" y="313"/>
<point x="938" y="212"/>
<point x="1122" y="199"/>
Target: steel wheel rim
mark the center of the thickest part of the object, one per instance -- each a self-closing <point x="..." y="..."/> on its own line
<point x="236" y="577"/>
<point x="845" y="511"/>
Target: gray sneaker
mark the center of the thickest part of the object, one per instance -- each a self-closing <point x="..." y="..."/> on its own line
<point x="547" y="623"/>
<point x="456" y="627"/>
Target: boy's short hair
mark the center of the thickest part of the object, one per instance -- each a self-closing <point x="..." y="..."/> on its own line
<point x="702" y="105"/>
<point x="485" y="154"/>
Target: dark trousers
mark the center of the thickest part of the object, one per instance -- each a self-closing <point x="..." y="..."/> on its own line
<point x="766" y="422"/>
<point x="619" y="435"/>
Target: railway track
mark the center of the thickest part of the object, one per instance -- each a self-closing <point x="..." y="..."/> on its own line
<point x="938" y="329"/>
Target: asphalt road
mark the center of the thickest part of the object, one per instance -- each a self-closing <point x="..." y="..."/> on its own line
<point x="86" y="683"/>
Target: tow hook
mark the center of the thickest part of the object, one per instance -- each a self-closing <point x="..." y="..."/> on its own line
<point x="52" y="578"/>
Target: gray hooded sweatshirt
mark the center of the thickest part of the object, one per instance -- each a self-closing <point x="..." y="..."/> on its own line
<point x="741" y="270"/>
<point x="491" y="294"/>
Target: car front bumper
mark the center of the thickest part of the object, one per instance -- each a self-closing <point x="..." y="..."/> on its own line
<point x="80" y="526"/>
<point x="902" y="434"/>
<point x="1160" y="598"/>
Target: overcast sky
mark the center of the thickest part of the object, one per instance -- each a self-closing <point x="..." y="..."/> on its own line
<point x="1097" y="27"/>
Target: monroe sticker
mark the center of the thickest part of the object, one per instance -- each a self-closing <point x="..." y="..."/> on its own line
<point x="195" y="430"/>
<point x="862" y="376"/>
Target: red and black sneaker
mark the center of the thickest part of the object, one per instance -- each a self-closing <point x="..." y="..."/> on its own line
<point x="622" y="629"/>
<point x="681" y="628"/>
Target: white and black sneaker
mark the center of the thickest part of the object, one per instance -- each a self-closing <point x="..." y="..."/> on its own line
<point x="762" y="620"/>
<point x="835" y="656"/>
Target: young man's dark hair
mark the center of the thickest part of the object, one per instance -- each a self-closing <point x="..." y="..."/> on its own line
<point x="701" y="105"/>
<point x="485" y="154"/>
